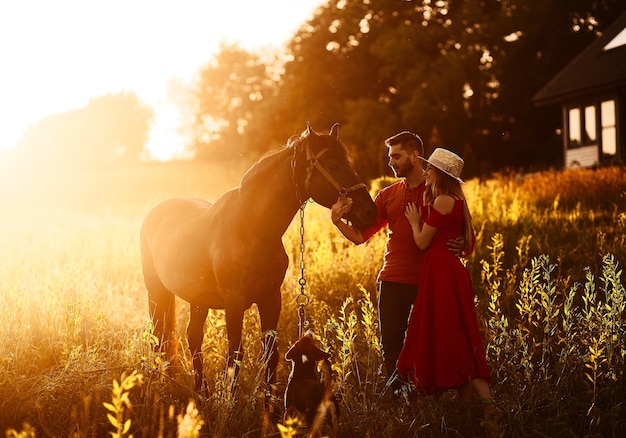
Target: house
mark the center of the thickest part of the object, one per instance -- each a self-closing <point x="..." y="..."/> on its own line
<point x="592" y="92"/>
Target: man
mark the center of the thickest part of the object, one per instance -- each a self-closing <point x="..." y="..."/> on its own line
<point x="399" y="275"/>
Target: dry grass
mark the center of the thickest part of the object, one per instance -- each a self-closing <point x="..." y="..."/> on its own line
<point x="547" y="272"/>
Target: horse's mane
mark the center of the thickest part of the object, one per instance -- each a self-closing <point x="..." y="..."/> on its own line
<point x="266" y="160"/>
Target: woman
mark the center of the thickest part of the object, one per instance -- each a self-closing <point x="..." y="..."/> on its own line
<point x="443" y="346"/>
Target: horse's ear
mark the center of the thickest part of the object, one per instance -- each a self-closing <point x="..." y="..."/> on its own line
<point x="334" y="130"/>
<point x="309" y="130"/>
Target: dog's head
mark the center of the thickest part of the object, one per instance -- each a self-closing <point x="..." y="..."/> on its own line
<point x="306" y="349"/>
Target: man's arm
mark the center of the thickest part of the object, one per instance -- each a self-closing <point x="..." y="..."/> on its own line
<point x="337" y="211"/>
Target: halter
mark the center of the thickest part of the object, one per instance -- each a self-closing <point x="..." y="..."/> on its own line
<point x="313" y="163"/>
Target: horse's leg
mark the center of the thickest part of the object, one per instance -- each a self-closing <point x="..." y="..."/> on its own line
<point x="234" y="326"/>
<point x="162" y="306"/>
<point x="195" y="336"/>
<point x="269" y="312"/>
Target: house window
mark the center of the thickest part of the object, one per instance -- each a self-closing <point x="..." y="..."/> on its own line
<point x="584" y="122"/>
<point x="590" y="125"/>
<point x="575" y="135"/>
<point x="609" y="132"/>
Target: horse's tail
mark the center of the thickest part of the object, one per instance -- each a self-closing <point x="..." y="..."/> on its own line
<point x="162" y="305"/>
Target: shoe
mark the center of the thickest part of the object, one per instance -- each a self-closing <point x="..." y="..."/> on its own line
<point x="491" y="411"/>
<point x="403" y="393"/>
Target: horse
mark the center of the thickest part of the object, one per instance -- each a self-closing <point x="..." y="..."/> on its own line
<point x="229" y="254"/>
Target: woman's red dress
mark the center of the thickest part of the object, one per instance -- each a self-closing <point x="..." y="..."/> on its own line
<point x="443" y="347"/>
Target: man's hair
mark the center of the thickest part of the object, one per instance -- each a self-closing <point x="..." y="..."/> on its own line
<point x="410" y="142"/>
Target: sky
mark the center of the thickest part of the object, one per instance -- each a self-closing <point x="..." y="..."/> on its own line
<point x="55" y="55"/>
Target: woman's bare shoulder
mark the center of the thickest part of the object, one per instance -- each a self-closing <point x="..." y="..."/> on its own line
<point x="444" y="204"/>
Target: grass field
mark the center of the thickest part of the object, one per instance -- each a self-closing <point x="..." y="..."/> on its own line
<point x="75" y="345"/>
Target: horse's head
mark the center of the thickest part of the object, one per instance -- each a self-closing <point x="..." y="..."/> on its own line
<point x="323" y="171"/>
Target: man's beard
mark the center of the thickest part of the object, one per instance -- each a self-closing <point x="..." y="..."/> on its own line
<point x="404" y="170"/>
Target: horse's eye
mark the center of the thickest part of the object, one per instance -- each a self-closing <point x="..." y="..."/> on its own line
<point x="331" y="163"/>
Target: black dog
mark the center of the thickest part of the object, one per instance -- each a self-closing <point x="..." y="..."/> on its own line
<point x="308" y="394"/>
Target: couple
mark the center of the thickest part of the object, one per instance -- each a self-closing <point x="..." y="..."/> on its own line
<point x="429" y="226"/>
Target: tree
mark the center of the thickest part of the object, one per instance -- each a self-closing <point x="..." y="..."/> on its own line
<point x="332" y="77"/>
<point x="464" y="69"/>
<point x="519" y="47"/>
<point x="467" y="68"/>
<point x="225" y="96"/>
<point x="110" y="129"/>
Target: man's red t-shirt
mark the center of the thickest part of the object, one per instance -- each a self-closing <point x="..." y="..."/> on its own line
<point x="402" y="256"/>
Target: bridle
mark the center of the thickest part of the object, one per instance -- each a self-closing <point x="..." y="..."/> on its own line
<point x="312" y="164"/>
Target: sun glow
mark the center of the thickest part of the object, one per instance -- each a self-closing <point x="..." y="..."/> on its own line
<point x="57" y="55"/>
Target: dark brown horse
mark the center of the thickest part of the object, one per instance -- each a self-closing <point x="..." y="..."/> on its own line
<point x="229" y="255"/>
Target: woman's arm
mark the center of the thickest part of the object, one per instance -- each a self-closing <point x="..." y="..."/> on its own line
<point x="423" y="234"/>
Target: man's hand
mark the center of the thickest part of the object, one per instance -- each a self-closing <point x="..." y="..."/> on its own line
<point x="340" y="208"/>
<point x="457" y="246"/>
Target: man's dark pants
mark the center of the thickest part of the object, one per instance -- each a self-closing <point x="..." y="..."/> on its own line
<point x="395" y="301"/>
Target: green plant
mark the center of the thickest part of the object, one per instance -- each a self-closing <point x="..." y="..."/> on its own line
<point x="120" y="403"/>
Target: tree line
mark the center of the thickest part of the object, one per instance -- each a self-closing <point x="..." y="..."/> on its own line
<point x="459" y="73"/>
<point x="110" y="130"/>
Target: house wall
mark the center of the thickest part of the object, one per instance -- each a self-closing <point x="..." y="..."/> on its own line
<point x="586" y="156"/>
<point x="583" y="150"/>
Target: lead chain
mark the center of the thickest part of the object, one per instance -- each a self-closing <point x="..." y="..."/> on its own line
<point x="302" y="300"/>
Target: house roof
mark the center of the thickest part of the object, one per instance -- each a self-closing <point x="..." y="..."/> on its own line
<point x="596" y="68"/>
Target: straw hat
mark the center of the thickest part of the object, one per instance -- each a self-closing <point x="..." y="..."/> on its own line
<point x="446" y="161"/>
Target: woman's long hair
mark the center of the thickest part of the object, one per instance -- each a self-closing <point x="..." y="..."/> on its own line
<point x="444" y="184"/>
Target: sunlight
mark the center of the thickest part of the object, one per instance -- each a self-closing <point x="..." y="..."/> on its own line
<point x="165" y="143"/>
<point x="70" y="51"/>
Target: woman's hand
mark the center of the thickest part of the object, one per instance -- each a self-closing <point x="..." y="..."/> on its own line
<point x="413" y="214"/>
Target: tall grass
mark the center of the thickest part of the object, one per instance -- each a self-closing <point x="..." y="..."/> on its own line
<point x="75" y="342"/>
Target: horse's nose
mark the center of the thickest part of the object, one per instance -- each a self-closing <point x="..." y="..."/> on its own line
<point x="370" y="216"/>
